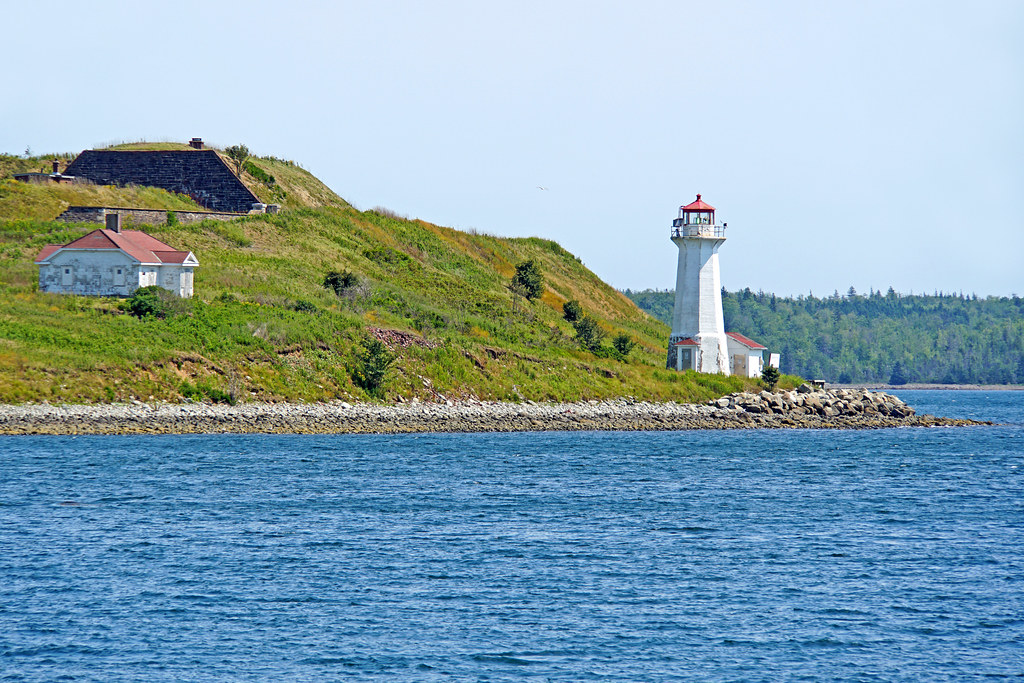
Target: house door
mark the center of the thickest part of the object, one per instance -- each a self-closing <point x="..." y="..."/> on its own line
<point x="185" y="285"/>
<point x="739" y="365"/>
<point x="119" y="277"/>
<point x="66" y="277"/>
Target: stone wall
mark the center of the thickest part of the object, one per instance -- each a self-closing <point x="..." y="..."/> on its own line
<point x="200" y="174"/>
<point x="98" y="214"/>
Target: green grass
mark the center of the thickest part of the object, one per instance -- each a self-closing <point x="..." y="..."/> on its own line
<point x="262" y="326"/>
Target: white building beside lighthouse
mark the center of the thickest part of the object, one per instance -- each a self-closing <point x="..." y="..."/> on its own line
<point x="699" y="340"/>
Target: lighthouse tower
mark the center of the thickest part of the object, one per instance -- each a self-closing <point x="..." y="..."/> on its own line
<point x="698" y="340"/>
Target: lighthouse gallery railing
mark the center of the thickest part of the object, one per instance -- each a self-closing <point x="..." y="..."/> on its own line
<point x="698" y="231"/>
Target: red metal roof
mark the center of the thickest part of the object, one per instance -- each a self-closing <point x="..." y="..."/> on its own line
<point x="698" y="205"/>
<point x="47" y="250"/>
<point x="137" y="244"/>
<point x="746" y="341"/>
<point x="686" y="342"/>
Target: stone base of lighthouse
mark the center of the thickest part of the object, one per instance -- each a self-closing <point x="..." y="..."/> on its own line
<point x="706" y="352"/>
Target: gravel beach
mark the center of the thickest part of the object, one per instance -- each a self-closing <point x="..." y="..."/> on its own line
<point x="803" y="408"/>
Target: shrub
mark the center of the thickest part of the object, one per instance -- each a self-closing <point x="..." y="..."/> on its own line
<point x="258" y="173"/>
<point x="373" y="360"/>
<point x="148" y="302"/>
<point x="571" y="310"/>
<point x="341" y="281"/>
<point x="155" y="302"/>
<point x="588" y="333"/>
<point x="387" y="255"/>
<point x="172" y="219"/>
<point x="528" y="280"/>
<point x="623" y="343"/>
<point x="303" y="306"/>
<point x="204" y="391"/>
<point x="770" y="376"/>
<point x="237" y="154"/>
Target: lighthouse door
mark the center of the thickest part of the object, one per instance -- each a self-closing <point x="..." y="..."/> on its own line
<point x="685" y="359"/>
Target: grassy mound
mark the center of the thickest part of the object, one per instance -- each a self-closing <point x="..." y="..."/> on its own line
<point x="264" y="327"/>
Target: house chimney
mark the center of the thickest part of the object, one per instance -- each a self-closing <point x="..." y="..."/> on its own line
<point x="56" y="167"/>
<point x="114" y="221"/>
<point x="196" y="143"/>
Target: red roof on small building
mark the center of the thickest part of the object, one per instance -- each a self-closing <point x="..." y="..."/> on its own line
<point x="137" y="244"/>
<point x="746" y="341"/>
<point x="698" y="205"/>
<point x="47" y="250"/>
<point x="686" y="342"/>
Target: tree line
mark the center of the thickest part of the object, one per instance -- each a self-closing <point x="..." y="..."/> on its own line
<point x="890" y="337"/>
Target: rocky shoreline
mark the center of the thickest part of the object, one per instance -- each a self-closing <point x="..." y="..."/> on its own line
<point x="803" y="408"/>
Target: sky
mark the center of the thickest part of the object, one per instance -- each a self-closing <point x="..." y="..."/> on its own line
<point x="866" y="144"/>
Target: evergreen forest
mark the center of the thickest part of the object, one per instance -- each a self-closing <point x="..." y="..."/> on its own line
<point x="886" y="338"/>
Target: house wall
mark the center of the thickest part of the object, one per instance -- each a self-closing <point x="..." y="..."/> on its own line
<point x="754" y="359"/>
<point x="93" y="272"/>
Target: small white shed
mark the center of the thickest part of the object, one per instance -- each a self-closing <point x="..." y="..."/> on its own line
<point x="112" y="262"/>
<point x="746" y="356"/>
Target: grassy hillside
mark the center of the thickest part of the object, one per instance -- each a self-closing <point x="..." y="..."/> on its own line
<point x="263" y="327"/>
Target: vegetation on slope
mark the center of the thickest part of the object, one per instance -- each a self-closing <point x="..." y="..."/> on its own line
<point x="264" y="327"/>
<point x="896" y="338"/>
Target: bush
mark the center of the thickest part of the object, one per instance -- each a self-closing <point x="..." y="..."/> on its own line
<point x="373" y="360"/>
<point x="572" y="311"/>
<point x="237" y="154"/>
<point x="340" y="282"/>
<point x="203" y="391"/>
<point x="588" y="333"/>
<point x="770" y="376"/>
<point x="151" y="301"/>
<point x="528" y="280"/>
<point x="258" y="173"/>
<point x="623" y="343"/>
<point x="387" y="255"/>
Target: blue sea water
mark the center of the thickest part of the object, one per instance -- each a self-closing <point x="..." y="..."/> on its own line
<point x="883" y="555"/>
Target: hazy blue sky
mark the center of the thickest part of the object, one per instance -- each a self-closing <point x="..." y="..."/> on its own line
<point x="846" y="143"/>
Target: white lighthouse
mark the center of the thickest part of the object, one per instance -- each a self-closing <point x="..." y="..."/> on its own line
<point x="698" y="340"/>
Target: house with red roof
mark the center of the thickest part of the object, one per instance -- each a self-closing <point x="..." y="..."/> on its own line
<point x="746" y="356"/>
<point x="114" y="262"/>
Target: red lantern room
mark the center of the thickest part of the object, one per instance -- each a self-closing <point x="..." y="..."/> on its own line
<point x="697" y="219"/>
<point x="697" y="213"/>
